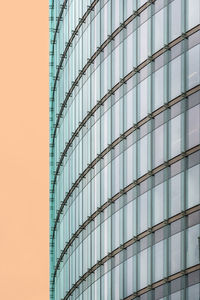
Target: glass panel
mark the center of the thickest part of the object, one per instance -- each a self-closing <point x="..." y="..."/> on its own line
<point x="143" y="156"/>
<point x="193" y="186"/>
<point x="175" y="130"/>
<point x="159" y="88"/>
<point x="143" y="42"/>
<point x="193" y="66"/>
<point x="159" y="30"/>
<point x="130" y="108"/>
<point x="143" y="269"/>
<point x="130" y="272"/>
<point x="143" y="212"/>
<point x="106" y="287"/>
<point x="193" y="13"/>
<point x="159" y="146"/>
<point x="193" y="244"/>
<point x="143" y="99"/>
<point x="176" y="296"/>
<point x="131" y="152"/>
<point x="159" y="261"/>
<point x="175" y="195"/>
<point x="130" y="52"/>
<point x="175" y="253"/>
<point x="130" y="220"/>
<point x="193" y="126"/>
<point x="130" y="6"/>
<point x="175" y="77"/>
<point x="193" y="292"/>
<point x="175" y="19"/>
<point x="158" y="204"/>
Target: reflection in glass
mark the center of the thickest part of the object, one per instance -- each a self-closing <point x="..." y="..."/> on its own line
<point x="193" y="251"/>
<point x="175" y="18"/>
<point x="143" y="99"/>
<point x="193" y="185"/>
<point x="175" y="195"/>
<point x="175" y="131"/>
<point x="159" y="30"/>
<point x="175" y="77"/>
<point x="193" y="66"/>
<point x="193" y="13"/>
<point x="143" y="35"/>
<point x="175" y="253"/>
<point x="143" y="268"/>
<point x="158" y="203"/>
<point x="143" y="155"/>
<point x="143" y="212"/>
<point x="193" y="126"/>
<point x="158" y="146"/>
<point x="159" y="88"/>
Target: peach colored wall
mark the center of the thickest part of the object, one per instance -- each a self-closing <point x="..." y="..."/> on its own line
<point x="24" y="258"/>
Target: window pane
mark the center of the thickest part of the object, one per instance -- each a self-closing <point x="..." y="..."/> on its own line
<point x="158" y="203"/>
<point x="193" y="245"/>
<point x="143" y="44"/>
<point x="130" y="166"/>
<point x="159" y="145"/>
<point x="130" y="52"/>
<point x="143" y="212"/>
<point x="159" y="30"/>
<point x="176" y="296"/>
<point x="175" y="24"/>
<point x="143" y="268"/>
<point x="193" y="66"/>
<point x="175" y="77"/>
<point x="130" y="220"/>
<point x="193" y="126"/>
<point x="143" y="99"/>
<point x="175" y="253"/>
<point x="130" y="99"/>
<point x="175" y="195"/>
<point x="193" y="13"/>
<point x="159" y="88"/>
<point x="159" y="260"/>
<point x="143" y="155"/>
<point x="130" y="272"/>
<point x="175" y="130"/>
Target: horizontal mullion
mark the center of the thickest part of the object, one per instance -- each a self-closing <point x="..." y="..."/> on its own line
<point x="112" y="91"/>
<point x="90" y="61"/>
<point x="81" y="21"/>
<point x="120" y="193"/>
<point x="116" y="142"/>
<point x="129" y="243"/>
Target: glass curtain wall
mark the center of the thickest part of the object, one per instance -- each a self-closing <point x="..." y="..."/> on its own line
<point x="124" y="149"/>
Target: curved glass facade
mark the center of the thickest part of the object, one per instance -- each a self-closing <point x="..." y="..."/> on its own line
<point x="124" y="149"/>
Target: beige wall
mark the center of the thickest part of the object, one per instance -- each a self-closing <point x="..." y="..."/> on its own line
<point x="24" y="150"/>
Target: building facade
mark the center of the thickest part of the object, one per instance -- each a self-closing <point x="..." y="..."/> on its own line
<point x="124" y="149"/>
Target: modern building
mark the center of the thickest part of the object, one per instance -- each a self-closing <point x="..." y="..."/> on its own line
<point x="124" y="149"/>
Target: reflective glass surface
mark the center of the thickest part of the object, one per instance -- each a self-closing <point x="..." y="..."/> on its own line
<point x="124" y="149"/>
